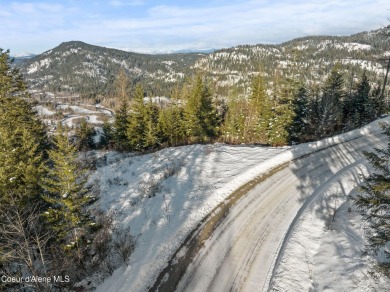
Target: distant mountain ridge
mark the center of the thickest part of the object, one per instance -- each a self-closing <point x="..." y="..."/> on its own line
<point x="24" y="55"/>
<point x="20" y="58"/>
<point x="78" y="67"/>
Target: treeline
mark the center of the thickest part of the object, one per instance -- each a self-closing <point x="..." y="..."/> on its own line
<point x="47" y="228"/>
<point x="280" y="111"/>
<point x="289" y="112"/>
<point x="192" y="116"/>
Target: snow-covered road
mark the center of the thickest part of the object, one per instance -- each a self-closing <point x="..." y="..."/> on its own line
<point x="241" y="253"/>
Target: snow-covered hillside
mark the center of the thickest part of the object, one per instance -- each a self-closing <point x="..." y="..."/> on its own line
<point x="162" y="196"/>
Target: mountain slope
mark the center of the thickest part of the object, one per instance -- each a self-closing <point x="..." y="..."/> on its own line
<point x="309" y="58"/>
<point x="82" y="68"/>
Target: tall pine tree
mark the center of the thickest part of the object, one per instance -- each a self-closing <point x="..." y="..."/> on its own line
<point x="65" y="192"/>
<point x="260" y="114"/>
<point x="282" y="111"/>
<point x="200" y="114"/>
<point x="300" y="122"/>
<point x="374" y="198"/>
<point x="151" y="134"/>
<point x="329" y="108"/>
<point x="137" y="128"/>
<point x="122" y="115"/>
<point x="170" y="123"/>
<point x="22" y="138"/>
<point x="234" y="126"/>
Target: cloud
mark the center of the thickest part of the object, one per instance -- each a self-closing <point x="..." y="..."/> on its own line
<point x="184" y="26"/>
<point x="247" y="22"/>
<point x="29" y="7"/>
<point x="119" y="3"/>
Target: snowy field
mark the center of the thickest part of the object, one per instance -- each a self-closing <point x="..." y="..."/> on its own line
<point x="162" y="196"/>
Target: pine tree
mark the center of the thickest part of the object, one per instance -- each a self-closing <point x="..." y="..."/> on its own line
<point x="151" y="135"/>
<point x="84" y="135"/>
<point x="233" y="130"/>
<point x="378" y="102"/>
<point x="122" y="115"/>
<point x="260" y="113"/>
<point x="21" y="166"/>
<point x="330" y="104"/>
<point x="364" y="109"/>
<point x="136" y="121"/>
<point x="170" y="123"/>
<point x="23" y="138"/>
<point x="65" y="192"/>
<point x="374" y="199"/>
<point x="11" y="81"/>
<point x="299" y="124"/>
<point x="282" y="111"/>
<point x="200" y="115"/>
<point x="107" y="134"/>
<point x="358" y="107"/>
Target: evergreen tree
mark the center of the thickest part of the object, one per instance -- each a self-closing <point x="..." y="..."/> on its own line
<point x="363" y="109"/>
<point x="299" y="124"/>
<point x="22" y="138"/>
<point x="374" y="199"/>
<point x="259" y="113"/>
<point x="378" y="102"/>
<point x="282" y="111"/>
<point x="66" y="193"/>
<point x="200" y="115"/>
<point x="136" y="121"/>
<point x="106" y="135"/>
<point x="235" y="127"/>
<point x="21" y="166"/>
<point x="170" y="123"/>
<point x="151" y="135"/>
<point x="11" y="81"/>
<point x="84" y="135"/>
<point x="330" y="105"/>
<point x="122" y="115"/>
<point x="358" y="106"/>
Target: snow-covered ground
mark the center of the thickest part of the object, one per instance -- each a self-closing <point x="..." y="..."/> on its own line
<point x="76" y="109"/>
<point x="162" y="196"/>
<point x="184" y="184"/>
<point x="43" y="111"/>
<point x="326" y="249"/>
<point x="329" y="255"/>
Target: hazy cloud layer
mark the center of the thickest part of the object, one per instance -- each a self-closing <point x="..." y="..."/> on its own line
<point x="153" y="26"/>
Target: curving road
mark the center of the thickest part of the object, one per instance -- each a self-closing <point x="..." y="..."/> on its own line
<point x="241" y="253"/>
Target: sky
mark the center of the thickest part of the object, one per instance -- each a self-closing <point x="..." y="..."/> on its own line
<point x="164" y="26"/>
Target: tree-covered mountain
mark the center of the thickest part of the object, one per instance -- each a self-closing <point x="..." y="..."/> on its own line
<point x="309" y="59"/>
<point x="78" y="67"/>
<point x="87" y="69"/>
